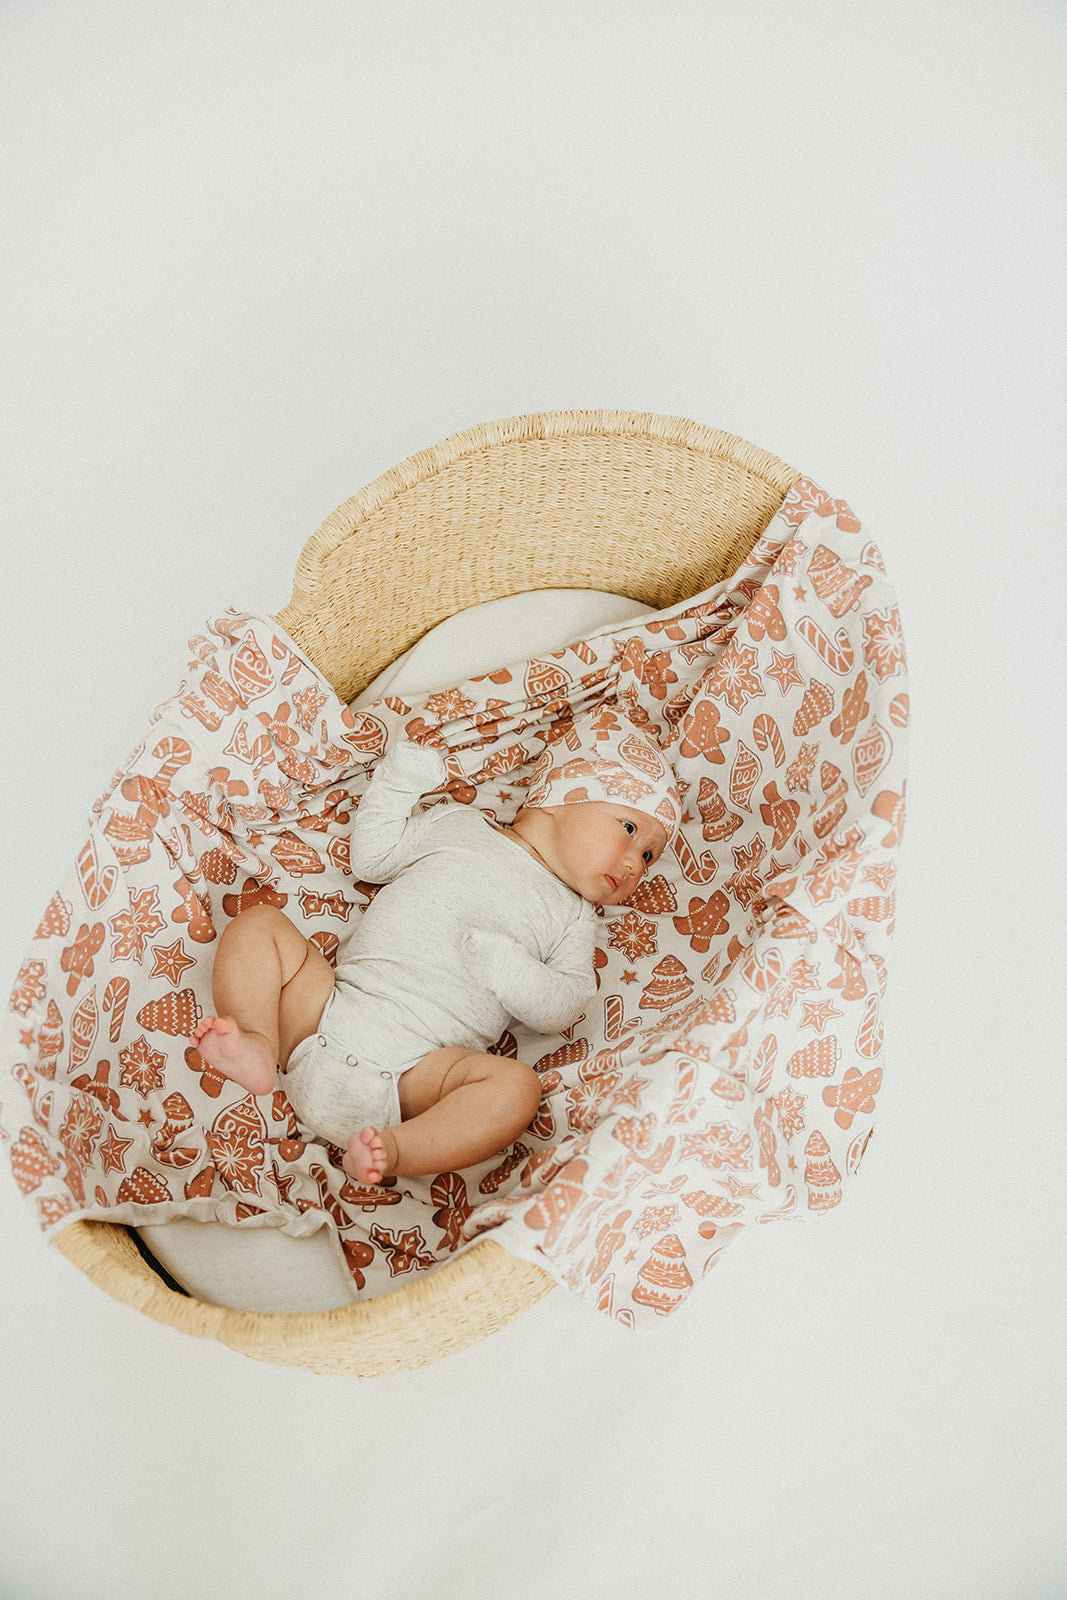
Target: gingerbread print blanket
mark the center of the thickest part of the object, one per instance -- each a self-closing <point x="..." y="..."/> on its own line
<point x="726" y="1072"/>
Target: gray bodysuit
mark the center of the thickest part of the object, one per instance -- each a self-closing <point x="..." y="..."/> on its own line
<point x="468" y="932"/>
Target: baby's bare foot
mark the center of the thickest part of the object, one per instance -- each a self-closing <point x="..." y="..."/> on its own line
<point x="244" y="1057"/>
<point x="370" y="1155"/>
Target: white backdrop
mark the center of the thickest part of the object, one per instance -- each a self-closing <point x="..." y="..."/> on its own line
<point x="253" y="256"/>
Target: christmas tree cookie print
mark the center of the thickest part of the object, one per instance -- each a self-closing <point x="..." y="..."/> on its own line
<point x="664" y="1280"/>
<point x="668" y="986"/>
<point x="820" y="1174"/>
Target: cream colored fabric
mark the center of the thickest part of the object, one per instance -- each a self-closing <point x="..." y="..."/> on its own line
<point x="726" y="1073"/>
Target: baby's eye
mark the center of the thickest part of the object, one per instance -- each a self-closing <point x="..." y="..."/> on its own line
<point x="630" y="827"/>
<point x="647" y="858"/>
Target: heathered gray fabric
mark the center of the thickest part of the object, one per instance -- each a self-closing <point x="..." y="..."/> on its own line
<point x="468" y="931"/>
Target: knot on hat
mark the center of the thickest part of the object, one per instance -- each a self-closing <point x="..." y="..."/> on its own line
<point x="606" y="756"/>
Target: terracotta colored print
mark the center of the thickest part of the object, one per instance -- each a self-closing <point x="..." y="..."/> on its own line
<point x="726" y="1073"/>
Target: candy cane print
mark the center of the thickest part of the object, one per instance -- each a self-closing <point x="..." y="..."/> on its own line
<point x="151" y="793"/>
<point x="696" y="871"/>
<point x="688" y="1079"/>
<point x="767" y="736"/>
<point x="330" y="1204"/>
<point x="175" y="754"/>
<point x="605" y="1295"/>
<point x="116" y="995"/>
<point x="869" y="1039"/>
<point x="97" y="882"/>
<point x="838" y="656"/>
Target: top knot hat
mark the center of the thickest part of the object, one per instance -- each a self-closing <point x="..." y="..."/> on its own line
<point x="606" y="756"/>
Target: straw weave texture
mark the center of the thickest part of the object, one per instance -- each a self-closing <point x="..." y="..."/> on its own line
<point x="425" y="1321"/>
<point x="655" y="508"/>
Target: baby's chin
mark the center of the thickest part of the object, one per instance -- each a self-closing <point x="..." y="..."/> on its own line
<point x="611" y="898"/>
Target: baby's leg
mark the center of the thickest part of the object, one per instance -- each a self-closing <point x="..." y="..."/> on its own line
<point x="270" y="985"/>
<point x="458" y="1107"/>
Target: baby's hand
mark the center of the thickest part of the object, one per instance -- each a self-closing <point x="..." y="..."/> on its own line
<point x="487" y="952"/>
<point x="541" y="996"/>
<point x="420" y="765"/>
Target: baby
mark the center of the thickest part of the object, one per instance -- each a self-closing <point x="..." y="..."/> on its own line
<point x="477" y="924"/>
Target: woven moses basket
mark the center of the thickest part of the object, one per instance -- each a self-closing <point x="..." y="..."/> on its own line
<point x="654" y="508"/>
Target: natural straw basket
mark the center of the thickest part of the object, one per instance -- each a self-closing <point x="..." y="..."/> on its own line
<point x="656" y="508"/>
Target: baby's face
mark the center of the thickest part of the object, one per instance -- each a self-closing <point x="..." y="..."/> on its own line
<point x="602" y="849"/>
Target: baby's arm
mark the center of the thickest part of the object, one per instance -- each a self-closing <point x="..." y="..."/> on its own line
<point x="545" y="996"/>
<point x="383" y="830"/>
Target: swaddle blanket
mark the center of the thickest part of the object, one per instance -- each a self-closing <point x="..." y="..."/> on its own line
<point x="727" y="1070"/>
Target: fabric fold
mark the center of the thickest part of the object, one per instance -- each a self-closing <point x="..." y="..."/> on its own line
<point x="726" y="1072"/>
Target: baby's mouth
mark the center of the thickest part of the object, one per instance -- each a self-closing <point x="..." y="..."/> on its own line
<point x="613" y="881"/>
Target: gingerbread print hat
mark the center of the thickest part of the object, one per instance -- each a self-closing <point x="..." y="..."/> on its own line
<point x="606" y="756"/>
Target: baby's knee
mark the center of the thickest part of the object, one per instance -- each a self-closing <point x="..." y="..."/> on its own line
<point x="259" y="916"/>
<point x="265" y="925"/>
<point x="525" y="1087"/>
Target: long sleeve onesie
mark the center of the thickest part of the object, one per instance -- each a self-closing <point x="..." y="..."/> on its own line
<point x="468" y="931"/>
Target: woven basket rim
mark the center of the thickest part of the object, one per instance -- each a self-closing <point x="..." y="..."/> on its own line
<point x="680" y="432"/>
<point x="462" y="1301"/>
